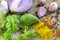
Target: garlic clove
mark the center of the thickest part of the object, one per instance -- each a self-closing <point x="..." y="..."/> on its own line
<point x="41" y="12"/>
<point x="53" y="6"/>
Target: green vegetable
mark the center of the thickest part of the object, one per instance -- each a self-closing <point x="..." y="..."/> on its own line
<point x="25" y="29"/>
<point x="28" y="19"/>
<point x="12" y="22"/>
<point x="2" y="22"/>
<point x="7" y="35"/>
<point x="11" y="25"/>
<point x="28" y="34"/>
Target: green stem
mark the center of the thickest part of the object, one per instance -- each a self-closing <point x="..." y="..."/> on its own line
<point x="28" y="34"/>
<point x="25" y="28"/>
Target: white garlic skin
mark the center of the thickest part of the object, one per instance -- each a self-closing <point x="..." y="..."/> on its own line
<point x="4" y="3"/>
<point x="3" y="7"/>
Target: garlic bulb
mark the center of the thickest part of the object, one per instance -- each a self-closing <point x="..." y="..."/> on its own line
<point x="19" y="5"/>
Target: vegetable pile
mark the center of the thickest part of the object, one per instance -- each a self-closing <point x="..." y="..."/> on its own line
<point x="12" y="21"/>
<point x="11" y="26"/>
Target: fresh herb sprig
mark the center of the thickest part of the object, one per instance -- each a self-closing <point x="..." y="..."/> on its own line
<point x="11" y="26"/>
<point x="28" y="34"/>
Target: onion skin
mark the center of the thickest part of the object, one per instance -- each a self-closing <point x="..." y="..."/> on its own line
<point x="41" y="12"/>
<point x="20" y="6"/>
<point x="53" y="6"/>
<point x="3" y="7"/>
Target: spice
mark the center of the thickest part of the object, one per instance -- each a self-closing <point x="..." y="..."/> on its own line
<point x="58" y="32"/>
<point x="49" y="22"/>
<point x="43" y="30"/>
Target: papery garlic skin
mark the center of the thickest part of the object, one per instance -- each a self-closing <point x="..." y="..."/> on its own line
<point x="4" y="3"/>
<point x="19" y="5"/>
<point x="53" y="6"/>
<point x="3" y="7"/>
<point x="41" y="12"/>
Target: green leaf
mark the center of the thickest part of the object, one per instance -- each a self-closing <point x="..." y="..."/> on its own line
<point x="28" y="19"/>
<point x="25" y="28"/>
<point x="12" y="22"/>
<point x="2" y="23"/>
<point x="28" y="34"/>
<point x="7" y="35"/>
<point x="11" y="26"/>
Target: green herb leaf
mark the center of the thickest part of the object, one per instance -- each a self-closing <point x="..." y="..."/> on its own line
<point x="28" y="34"/>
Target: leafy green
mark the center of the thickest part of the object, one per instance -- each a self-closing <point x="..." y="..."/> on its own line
<point x="28" y="34"/>
<point x="28" y="19"/>
<point x="11" y="26"/>
<point x="25" y="29"/>
<point x="2" y="22"/>
<point x="7" y="35"/>
<point x="12" y="22"/>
